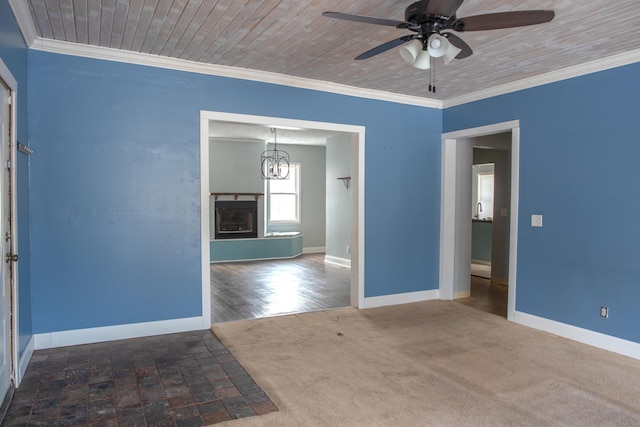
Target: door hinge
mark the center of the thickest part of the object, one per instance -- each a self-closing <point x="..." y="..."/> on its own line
<point x="8" y="164"/>
<point x="9" y="98"/>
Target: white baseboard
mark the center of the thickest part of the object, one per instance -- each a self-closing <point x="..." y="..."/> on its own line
<point x="24" y="360"/>
<point x="461" y="294"/>
<point x="342" y="262"/>
<point x="481" y="262"/>
<point x="403" y="298"/>
<point x="312" y="250"/>
<point x="117" y="332"/>
<point x="585" y="336"/>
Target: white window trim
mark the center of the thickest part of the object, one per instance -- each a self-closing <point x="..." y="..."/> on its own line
<point x="298" y="167"/>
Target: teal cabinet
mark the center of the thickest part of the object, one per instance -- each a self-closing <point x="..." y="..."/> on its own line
<point x="481" y="240"/>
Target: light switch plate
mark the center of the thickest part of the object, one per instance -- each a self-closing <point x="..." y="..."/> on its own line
<point x="504" y="212"/>
<point x="536" y="220"/>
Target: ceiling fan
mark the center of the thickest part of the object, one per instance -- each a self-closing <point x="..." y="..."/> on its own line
<point x="431" y="20"/>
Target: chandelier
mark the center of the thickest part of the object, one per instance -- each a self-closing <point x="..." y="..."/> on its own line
<point x="275" y="163"/>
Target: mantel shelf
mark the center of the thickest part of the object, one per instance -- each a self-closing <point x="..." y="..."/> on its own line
<point x="236" y="195"/>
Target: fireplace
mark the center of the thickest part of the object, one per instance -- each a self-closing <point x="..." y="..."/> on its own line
<point x="236" y="219"/>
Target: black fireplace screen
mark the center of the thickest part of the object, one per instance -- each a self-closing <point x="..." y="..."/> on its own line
<point x="236" y="219"/>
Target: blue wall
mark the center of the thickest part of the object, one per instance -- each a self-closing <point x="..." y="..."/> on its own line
<point x="579" y="157"/>
<point x="115" y="186"/>
<point x="109" y="204"/>
<point x="13" y="52"/>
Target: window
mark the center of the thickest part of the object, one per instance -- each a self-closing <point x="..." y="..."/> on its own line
<point x="284" y="197"/>
<point x="483" y="183"/>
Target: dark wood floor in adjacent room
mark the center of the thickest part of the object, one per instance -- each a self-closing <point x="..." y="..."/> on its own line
<point x="487" y="296"/>
<point x="254" y="289"/>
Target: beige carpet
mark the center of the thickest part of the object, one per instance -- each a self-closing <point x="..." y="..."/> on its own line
<point x="433" y="363"/>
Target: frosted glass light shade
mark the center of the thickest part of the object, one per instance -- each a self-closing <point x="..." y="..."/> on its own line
<point x="437" y="45"/>
<point x="452" y="52"/>
<point x="410" y="51"/>
<point x="423" y="61"/>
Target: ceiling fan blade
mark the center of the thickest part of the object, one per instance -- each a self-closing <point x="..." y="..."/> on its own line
<point x="460" y="44"/>
<point x="384" y="47"/>
<point x="367" y="19"/>
<point x="495" y="21"/>
<point x="443" y="7"/>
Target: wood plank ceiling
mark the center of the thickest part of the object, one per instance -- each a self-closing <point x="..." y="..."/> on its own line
<point x="291" y="37"/>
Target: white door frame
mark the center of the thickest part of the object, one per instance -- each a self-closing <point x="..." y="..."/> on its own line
<point x="13" y="87"/>
<point x="450" y="262"/>
<point x="357" y="199"/>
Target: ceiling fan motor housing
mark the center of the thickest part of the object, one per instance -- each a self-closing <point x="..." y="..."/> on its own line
<point x="428" y="23"/>
<point x="416" y="12"/>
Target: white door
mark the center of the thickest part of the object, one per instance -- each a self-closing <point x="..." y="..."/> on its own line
<point x="6" y="264"/>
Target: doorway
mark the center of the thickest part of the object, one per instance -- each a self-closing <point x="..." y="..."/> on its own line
<point x="456" y="205"/>
<point x="356" y="135"/>
<point x="9" y="376"/>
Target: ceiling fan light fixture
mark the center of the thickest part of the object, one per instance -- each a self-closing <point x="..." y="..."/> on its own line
<point x="437" y="45"/>
<point x="452" y="52"/>
<point x="410" y="51"/>
<point x="431" y="22"/>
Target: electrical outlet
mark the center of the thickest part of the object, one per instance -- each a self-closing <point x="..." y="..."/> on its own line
<point x="604" y="311"/>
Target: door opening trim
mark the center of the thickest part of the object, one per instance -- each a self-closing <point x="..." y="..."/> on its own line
<point x="10" y="81"/>
<point x="448" y="225"/>
<point x="357" y="201"/>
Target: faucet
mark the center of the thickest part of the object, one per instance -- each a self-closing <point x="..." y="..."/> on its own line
<point x="478" y="210"/>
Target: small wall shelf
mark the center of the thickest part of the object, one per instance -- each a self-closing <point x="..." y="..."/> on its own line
<point x="236" y="195"/>
<point x="346" y="180"/>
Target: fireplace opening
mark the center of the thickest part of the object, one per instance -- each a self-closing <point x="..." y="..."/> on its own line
<point x="236" y="219"/>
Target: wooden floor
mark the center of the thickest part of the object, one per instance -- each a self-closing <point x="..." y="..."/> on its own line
<point x="254" y="289"/>
<point x="487" y="296"/>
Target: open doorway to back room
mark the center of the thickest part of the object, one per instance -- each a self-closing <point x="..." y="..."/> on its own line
<point x="490" y="194"/>
<point x="478" y="235"/>
<point x="294" y="244"/>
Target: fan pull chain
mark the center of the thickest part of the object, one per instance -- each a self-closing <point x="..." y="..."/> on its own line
<point x="430" y="73"/>
<point x="432" y="76"/>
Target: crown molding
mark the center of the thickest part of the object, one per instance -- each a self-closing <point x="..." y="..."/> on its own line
<point x="109" y="54"/>
<point x="613" y="61"/>
<point x="23" y="16"/>
<point x="22" y="13"/>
